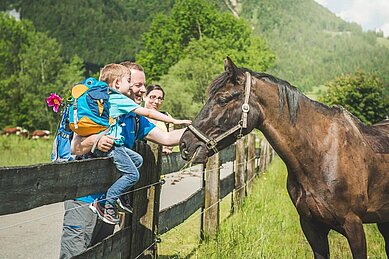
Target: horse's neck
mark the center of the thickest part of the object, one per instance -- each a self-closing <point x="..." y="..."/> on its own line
<point x="291" y="140"/>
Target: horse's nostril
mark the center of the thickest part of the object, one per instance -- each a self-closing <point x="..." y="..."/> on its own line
<point x="186" y="152"/>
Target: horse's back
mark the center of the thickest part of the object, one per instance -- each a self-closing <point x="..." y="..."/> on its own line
<point x="377" y="136"/>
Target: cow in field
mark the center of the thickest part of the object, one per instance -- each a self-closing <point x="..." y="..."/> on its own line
<point x="40" y="134"/>
<point x="11" y="131"/>
<point x="19" y="131"/>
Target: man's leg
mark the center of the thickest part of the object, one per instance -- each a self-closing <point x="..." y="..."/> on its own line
<point x="78" y="225"/>
<point x="101" y="231"/>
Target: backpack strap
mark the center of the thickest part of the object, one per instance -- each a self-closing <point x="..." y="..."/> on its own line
<point x="136" y="128"/>
<point x="101" y="134"/>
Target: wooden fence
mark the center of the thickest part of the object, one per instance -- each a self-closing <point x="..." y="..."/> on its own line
<point x="44" y="184"/>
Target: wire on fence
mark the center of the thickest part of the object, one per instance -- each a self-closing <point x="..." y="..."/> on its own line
<point x="214" y="204"/>
<point x="156" y="240"/>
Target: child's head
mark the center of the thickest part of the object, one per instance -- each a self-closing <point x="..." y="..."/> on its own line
<point x="116" y="76"/>
<point x="138" y="80"/>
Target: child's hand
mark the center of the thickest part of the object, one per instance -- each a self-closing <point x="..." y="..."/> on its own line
<point x="188" y="122"/>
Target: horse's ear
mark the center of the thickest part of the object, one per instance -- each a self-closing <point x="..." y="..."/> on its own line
<point x="230" y="68"/>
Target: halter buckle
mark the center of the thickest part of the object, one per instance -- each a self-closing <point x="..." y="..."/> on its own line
<point x="211" y="145"/>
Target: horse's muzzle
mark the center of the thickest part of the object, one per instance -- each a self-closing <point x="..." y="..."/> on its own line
<point x="184" y="152"/>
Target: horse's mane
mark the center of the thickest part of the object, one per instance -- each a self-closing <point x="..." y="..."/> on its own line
<point x="289" y="94"/>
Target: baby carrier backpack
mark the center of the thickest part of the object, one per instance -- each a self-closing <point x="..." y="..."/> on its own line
<point x="89" y="107"/>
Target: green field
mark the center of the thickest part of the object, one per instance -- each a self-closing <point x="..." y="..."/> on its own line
<point x="17" y="151"/>
<point x="266" y="227"/>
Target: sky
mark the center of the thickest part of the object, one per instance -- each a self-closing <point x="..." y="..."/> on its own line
<point x="370" y="14"/>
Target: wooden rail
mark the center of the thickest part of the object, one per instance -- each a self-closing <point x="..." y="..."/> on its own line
<point x="44" y="184"/>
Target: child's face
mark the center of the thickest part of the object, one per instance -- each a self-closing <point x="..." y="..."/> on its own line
<point x="123" y="85"/>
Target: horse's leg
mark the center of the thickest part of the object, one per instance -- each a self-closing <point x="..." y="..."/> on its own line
<point x="384" y="229"/>
<point x="317" y="236"/>
<point x="356" y="237"/>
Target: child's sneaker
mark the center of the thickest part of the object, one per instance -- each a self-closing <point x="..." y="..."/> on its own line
<point x="123" y="205"/>
<point x="106" y="213"/>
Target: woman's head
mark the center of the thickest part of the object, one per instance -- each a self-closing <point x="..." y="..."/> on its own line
<point x="154" y="97"/>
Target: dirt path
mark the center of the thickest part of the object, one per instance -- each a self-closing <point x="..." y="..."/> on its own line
<point x="36" y="233"/>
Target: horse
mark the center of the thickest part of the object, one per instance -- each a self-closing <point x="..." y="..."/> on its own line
<point x="338" y="167"/>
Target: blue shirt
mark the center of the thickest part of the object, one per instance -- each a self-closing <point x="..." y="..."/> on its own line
<point x="120" y="105"/>
<point x="145" y="126"/>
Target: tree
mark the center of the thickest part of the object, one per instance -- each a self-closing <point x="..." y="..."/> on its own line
<point x="30" y="73"/>
<point x="203" y="61"/>
<point x="12" y="36"/>
<point x="189" y="21"/>
<point x="360" y="93"/>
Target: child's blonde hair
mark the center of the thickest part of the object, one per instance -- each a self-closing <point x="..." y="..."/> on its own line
<point x="110" y="72"/>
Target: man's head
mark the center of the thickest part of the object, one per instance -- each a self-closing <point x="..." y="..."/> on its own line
<point x="138" y="80"/>
<point x="118" y="77"/>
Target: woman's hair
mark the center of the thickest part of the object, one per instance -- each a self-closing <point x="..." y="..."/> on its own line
<point x="150" y="88"/>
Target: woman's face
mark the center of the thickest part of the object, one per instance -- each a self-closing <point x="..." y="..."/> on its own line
<point x="154" y="99"/>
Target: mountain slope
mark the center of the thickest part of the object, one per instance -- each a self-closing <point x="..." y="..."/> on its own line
<point x="312" y="44"/>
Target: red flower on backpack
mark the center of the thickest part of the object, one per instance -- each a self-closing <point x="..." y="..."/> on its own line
<point x="54" y="101"/>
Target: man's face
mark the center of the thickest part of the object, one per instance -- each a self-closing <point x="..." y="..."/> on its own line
<point x="137" y="85"/>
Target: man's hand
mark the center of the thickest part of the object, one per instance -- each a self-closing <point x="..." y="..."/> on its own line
<point x="105" y="143"/>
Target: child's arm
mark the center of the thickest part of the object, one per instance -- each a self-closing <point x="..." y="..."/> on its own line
<point x="156" y="115"/>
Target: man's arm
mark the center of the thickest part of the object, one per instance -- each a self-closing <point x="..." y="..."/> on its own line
<point x="159" y="136"/>
<point x="83" y="145"/>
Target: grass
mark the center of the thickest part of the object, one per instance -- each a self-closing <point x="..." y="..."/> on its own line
<point x="17" y="151"/>
<point x="267" y="226"/>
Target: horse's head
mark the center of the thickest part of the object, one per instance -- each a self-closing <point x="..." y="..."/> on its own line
<point x="224" y="118"/>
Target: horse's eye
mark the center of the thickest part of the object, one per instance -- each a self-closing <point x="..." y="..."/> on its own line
<point x="222" y="101"/>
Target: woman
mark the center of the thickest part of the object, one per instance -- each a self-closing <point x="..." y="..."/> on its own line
<point x="153" y="100"/>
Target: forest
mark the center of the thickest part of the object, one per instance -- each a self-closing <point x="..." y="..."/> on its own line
<point x="181" y="45"/>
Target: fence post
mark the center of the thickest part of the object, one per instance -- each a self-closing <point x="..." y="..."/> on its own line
<point x="202" y="209"/>
<point x="250" y="160"/>
<point x="212" y="195"/>
<point x="143" y="225"/>
<point x="263" y="157"/>
<point x="240" y="173"/>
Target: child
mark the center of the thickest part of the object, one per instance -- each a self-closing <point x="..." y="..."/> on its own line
<point x="126" y="160"/>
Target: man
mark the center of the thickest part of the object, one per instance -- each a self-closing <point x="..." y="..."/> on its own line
<point x="82" y="228"/>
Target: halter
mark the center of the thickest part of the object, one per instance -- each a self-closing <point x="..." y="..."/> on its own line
<point x="211" y="144"/>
